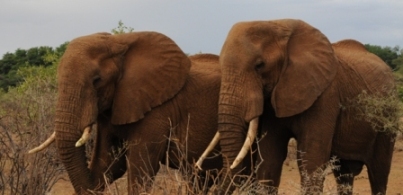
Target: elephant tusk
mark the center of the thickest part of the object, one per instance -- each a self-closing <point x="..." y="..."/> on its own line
<point x="250" y="137"/>
<point x="209" y="148"/>
<point x="45" y="144"/>
<point x="86" y="135"/>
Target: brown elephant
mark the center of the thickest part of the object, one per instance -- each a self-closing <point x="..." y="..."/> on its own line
<point x="285" y="79"/>
<point x="143" y="94"/>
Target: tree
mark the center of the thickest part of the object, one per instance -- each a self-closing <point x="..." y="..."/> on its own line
<point x="121" y="28"/>
<point x="43" y="56"/>
<point x="35" y="56"/>
<point x="61" y="49"/>
<point x="387" y="54"/>
<point x="398" y="62"/>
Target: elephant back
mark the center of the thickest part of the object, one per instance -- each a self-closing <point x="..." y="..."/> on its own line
<point x="206" y="69"/>
<point x="367" y="71"/>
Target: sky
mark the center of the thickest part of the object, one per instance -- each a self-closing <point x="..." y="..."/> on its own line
<point x="195" y="25"/>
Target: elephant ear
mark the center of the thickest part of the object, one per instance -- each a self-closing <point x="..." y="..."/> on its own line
<point x="154" y="69"/>
<point x="309" y="69"/>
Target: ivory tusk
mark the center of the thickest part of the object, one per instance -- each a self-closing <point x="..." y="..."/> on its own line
<point x="250" y="137"/>
<point x="45" y="144"/>
<point x="209" y="148"/>
<point x="85" y="137"/>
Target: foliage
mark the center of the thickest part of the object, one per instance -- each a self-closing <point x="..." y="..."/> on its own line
<point x="37" y="76"/>
<point x="399" y="63"/>
<point x="121" y="29"/>
<point x="387" y="54"/>
<point x="36" y="56"/>
<point x="399" y="84"/>
<point x="383" y="112"/>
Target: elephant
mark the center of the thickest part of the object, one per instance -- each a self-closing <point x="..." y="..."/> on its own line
<point x="140" y="92"/>
<point x="284" y="79"/>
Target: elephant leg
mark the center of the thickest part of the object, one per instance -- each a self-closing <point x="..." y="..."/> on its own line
<point x="380" y="163"/>
<point x="312" y="157"/>
<point x="146" y="148"/>
<point x="314" y="130"/>
<point x="143" y="165"/>
<point x="345" y="174"/>
<point x="313" y="151"/>
<point x="273" y="146"/>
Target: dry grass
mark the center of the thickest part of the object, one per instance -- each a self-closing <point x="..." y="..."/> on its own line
<point x="172" y="181"/>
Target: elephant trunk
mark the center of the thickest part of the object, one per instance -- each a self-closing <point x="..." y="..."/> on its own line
<point x="231" y="140"/>
<point x="231" y="126"/>
<point x="68" y="127"/>
<point x="241" y="100"/>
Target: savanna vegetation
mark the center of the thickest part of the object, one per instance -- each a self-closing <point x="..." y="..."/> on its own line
<point x="28" y="91"/>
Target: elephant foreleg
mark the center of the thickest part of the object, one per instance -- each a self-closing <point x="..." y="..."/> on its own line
<point x="147" y="145"/>
<point x="274" y="146"/>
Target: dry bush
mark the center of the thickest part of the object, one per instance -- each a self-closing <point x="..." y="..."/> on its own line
<point x="382" y="112"/>
<point x="26" y="119"/>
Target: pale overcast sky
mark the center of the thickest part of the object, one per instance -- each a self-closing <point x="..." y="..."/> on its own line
<point x="196" y="26"/>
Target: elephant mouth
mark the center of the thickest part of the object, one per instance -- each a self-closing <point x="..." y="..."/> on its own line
<point x="86" y="134"/>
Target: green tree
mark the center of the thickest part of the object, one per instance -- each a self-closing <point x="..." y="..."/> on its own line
<point x="121" y="28"/>
<point x="7" y="63"/>
<point x="398" y="62"/>
<point x="61" y="49"/>
<point x="37" y="56"/>
<point x="387" y="54"/>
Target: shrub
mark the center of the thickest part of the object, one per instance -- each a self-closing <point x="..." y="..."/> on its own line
<point x="26" y="119"/>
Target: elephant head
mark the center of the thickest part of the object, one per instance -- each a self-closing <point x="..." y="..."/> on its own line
<point x="282" y="64"/>
<point x="118" y="76"/>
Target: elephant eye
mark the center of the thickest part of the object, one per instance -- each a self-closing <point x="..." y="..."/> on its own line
<point x="96" y="80"/>
<point x="259" y="66"/>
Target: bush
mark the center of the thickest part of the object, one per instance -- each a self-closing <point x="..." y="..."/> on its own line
<point x="382" y="112"/>
<point x="26" y="119"/>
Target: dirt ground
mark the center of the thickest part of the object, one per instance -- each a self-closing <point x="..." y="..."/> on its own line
<point x="290" y="179"/>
